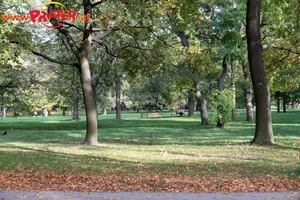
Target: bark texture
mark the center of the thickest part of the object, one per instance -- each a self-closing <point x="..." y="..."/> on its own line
<point x="263" y="128"/>
<point x="75" y="110"/>
<point x="203" y="105"/>
<point x="86" y="81"/>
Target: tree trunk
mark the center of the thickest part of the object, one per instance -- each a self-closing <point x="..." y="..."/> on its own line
<point x="45" y="112"/>
<point x="76" y="106"/>
<point x="263" y="128"/>
<point x="64" y="109"/>
<point x="86" y="82"/>
<point x="104" y="111"/>
<point x="3" y="113"/>
<point x="118" y="97"/>
<point x="3" y="107"/>
<point x="185" y="43"/>
<point x="278" y="104"/>
<point x="81" y="51"/>
<point x="203" y="111"/>
<point x="249" y="106"/>
<point x="233" y="112"/>
<point x="156" y="103"/>
<point x="191" y="105"/>
<point x="221" y="87"/>
<point x="75" y="110"/>
<point x="203" y="104"/>
<point x="89" y="101"/>
<point x="284" y="104"/>
<point x="223" y="75"/>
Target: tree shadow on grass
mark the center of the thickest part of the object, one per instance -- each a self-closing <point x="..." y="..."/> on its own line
<point x="135" y="132"/>
<point x="222" y="141"/>
<point x="44" y="161"/>
<point x="287" y="147"/>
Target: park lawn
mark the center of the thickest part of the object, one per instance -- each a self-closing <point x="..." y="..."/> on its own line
<point x="169" y="153"/>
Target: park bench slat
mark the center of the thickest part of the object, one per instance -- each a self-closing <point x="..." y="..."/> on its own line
<point x="154" y="114"/>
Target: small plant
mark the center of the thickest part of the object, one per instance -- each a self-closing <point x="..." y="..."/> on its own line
<point x="223" y="103"/>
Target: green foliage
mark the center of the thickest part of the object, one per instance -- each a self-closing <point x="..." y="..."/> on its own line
<point x="223" y="104"/>
<point x="280" y="26"/>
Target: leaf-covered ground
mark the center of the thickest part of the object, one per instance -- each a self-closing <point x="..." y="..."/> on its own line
<point x="147" y="182"/>
<point x="149" y="155"/>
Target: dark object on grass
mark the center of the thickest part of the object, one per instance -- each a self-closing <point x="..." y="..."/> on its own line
<point x="5" y="133"/>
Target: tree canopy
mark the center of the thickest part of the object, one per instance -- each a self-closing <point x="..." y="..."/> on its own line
<point x="173" y="53"/>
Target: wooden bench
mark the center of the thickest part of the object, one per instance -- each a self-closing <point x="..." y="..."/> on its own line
<point x="154" y="114"/>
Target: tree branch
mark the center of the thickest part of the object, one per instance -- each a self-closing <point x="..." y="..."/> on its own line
<point x="106" y="29"/>
<point x="53" y="60"/>
<point x="65" y="32"/>
<point x="110" y="52"/>
<point x="269" y="46"/>
<point x="72" y="25"/>
<point x="151" y="31"/>
<point x="98" y="3"/>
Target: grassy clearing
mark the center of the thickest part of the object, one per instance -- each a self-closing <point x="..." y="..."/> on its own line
<point x="177" y="145"/>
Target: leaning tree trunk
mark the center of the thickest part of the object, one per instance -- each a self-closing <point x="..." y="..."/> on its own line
<point x="118" y="97"/>
<point x="87" y="82"/>
<point x="89" y="102"/>
<point x="263" y="128"/>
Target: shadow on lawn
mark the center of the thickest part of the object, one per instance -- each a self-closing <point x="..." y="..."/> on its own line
<point x="44" y="125"/>
<point x="136" y="132"/>
<point x="224" y="141"/>
<point x="45" y="161"/>
<point x="287" y="147"/>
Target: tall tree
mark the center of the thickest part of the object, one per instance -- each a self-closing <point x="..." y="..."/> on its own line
<point x="81" y="51"/>
<point x="263" y="129"/>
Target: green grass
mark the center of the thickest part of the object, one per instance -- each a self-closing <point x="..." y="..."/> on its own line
<point x="135" y="145"/>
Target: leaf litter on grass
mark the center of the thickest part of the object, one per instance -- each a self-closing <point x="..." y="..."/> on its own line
<point x="145" y="182"/>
